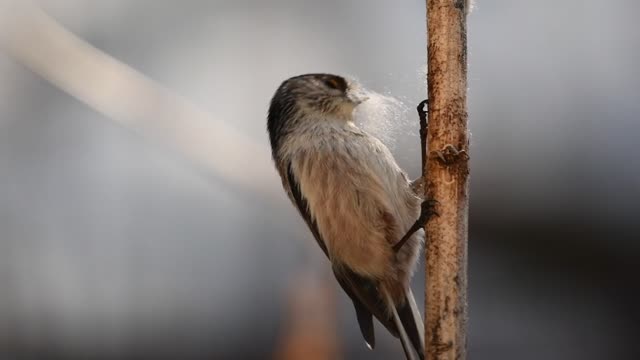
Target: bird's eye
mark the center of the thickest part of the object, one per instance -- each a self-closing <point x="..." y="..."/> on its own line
<point x="333" y="83"/>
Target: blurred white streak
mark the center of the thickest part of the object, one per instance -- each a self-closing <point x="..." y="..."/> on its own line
<point x="128" y="97"/>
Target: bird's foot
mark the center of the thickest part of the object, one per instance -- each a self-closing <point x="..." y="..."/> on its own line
<point x="427" y="209"/>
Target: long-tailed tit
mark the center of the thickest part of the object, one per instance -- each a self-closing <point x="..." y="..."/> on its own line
<point x="356" y="200"/>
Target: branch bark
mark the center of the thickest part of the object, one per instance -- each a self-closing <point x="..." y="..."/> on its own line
<point x="448" y="169"/>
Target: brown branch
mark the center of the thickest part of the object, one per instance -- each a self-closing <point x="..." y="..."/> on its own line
<point x="448" y="169"/>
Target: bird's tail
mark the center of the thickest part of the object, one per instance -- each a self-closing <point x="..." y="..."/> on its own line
<point x="409" y="325"/>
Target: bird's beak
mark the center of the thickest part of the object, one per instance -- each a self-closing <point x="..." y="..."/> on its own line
<point x="357" y="95"/>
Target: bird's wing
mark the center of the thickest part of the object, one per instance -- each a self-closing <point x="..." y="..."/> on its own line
<point x="362" y="291"/>
<point x="303" y="208"/>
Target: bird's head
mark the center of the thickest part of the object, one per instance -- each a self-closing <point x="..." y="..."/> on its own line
<point x="325" y="94"/>
<point x="307" y="99"/>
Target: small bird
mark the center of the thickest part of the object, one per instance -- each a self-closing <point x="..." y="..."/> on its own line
<point x="357" y="202"/>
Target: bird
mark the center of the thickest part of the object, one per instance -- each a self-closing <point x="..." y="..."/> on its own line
<point x="360" y="206"/>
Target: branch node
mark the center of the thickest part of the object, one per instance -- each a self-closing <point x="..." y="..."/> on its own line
<point x="450" y="155"/>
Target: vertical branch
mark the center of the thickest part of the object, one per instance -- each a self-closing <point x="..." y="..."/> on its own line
<point x="448" y="169"/>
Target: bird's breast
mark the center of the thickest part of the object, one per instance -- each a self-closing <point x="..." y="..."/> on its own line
<point x="356" y="193"/>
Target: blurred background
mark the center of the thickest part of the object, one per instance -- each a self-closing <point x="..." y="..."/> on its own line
<point x="140" y="216"/>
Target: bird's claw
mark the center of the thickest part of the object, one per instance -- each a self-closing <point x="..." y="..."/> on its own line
<point x="428" y="208"/>
<point x="423" y="108"/>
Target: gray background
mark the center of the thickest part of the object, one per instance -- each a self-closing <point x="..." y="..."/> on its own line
<point x="114" y="246"/>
